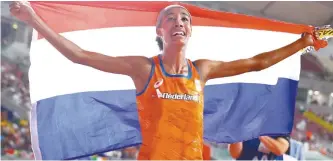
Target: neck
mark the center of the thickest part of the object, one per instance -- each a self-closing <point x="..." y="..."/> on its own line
<point x="174" y="60"/>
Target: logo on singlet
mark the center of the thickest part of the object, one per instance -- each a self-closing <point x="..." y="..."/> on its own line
<point x="174" y="96"/>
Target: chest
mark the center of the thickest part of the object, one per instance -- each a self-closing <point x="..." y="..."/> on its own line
<point x="171" y="98"/>
<point x="179" y="85"/>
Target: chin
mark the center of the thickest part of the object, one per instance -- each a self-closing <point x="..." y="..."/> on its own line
<point x="179" y="43"/>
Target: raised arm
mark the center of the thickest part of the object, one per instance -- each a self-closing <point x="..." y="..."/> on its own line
<point x="211" y="69"/>
<point x="118" y="65"/>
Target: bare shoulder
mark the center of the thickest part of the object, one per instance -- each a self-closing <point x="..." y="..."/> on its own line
<point x="204" y="66"/>
<point x="141" y="64"/>
<point x="201" y="62"/>
<point x="136" y="59"/>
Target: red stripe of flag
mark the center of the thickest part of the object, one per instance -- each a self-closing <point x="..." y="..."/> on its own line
<point x="64" y="16"/>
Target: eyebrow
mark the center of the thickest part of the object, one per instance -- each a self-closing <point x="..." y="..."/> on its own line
<point x="183" y="13"/>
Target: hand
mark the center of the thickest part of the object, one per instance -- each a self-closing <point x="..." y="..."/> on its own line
<point x="314" y="40"/>
<point x="22" y="11"/>
<point x="309" y="39"/>
<point x="277" y="146"/>
<point x="264" y="137"/>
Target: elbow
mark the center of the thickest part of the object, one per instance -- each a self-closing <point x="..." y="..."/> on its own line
<point x="76" y="60"/>
<point x="264" y="64"/>
<point x="258" y="64"/>
<point x="263" y="61"/>
<point x="78" y="57"/>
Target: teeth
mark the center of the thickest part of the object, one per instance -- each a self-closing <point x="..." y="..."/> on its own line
<point x="178" y="33"/>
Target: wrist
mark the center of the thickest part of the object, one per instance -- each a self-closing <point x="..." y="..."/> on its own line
<point x="307" y="40"/>
<point x="34" y="21"/>
<point x="306" y="43"/>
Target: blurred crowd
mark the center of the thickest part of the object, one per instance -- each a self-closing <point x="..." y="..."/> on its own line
<point x="15" y="136"/>
<point x="315" y="136"/>
<point x="13" y="85"/>
<point x="327" y="117"/>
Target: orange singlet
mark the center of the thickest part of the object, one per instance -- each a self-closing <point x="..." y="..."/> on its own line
<point x="171" y="115"/>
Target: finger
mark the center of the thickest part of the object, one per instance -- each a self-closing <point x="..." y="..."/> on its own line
<point x="264" y="137"/>
<point x="14" y="10"/>
<point x="316" y="35"/>
<point x="15" y="7"/>
<point x="261" y="137"/>
<point x="14" y="4"/>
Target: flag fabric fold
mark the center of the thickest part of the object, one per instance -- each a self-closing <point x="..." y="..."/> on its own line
<point x="79" y="111"/>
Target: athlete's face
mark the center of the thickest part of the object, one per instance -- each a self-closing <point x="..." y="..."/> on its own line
<point x="175" y="27"/>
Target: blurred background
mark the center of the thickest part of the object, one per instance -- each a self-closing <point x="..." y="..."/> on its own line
<point x="313" y="124"/>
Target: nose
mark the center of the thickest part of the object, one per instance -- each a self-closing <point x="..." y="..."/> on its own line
<point x="179" y="22"/>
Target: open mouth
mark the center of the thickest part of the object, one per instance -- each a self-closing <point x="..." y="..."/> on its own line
<point x="179" y="33"/>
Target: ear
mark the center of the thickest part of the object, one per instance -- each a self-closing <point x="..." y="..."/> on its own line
<point x="159" y="32"/>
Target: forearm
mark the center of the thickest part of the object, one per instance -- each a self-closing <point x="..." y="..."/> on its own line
<point x="270" y="58"/>
<point x="278" y="147"/>
<point x="218" y="69"/>
<point x="64" y="46"/>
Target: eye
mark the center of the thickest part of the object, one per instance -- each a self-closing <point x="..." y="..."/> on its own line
<point x="170" y="18"/>
<point x="185" y="19"/>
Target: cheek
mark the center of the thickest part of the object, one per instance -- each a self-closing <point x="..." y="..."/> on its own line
<point x="163" y="33"/>
<point x="189" y="32"/>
